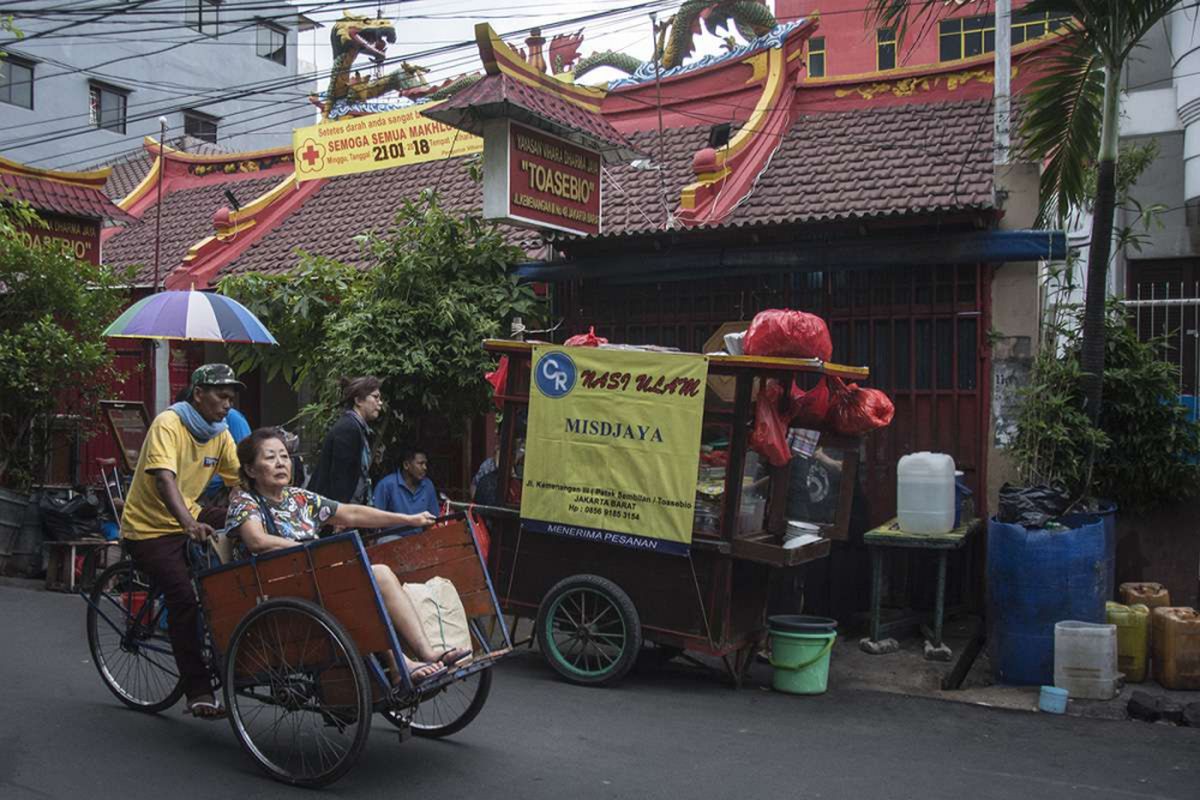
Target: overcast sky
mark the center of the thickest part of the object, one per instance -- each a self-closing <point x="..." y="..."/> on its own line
<point x="443" y="22"/>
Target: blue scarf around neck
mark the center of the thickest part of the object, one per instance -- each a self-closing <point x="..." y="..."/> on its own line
<point x="201" y="429"/>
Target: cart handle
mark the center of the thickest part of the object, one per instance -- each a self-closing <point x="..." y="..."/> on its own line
<point x="375" y="534"/>
<point x="498" y="511"/>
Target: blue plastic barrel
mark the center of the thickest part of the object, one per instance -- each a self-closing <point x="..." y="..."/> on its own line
<point x="1108" y="515"/>
<point x="1038" y="577"/>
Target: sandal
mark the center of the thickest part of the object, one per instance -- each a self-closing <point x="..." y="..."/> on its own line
<point x="452" y="657"/>
<point x="205" y="709"/>
<point x="431" y="672"/>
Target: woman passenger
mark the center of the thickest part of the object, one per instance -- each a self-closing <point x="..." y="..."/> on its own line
<point x="297" y="514"/>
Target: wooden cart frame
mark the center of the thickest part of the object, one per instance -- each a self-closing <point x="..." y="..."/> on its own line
<point x="711" y="602"/>
<point x="303" y="646"/>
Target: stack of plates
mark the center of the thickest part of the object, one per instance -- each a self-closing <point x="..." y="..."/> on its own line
<point x="800" y="533"/>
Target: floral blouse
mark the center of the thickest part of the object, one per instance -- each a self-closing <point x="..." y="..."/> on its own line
<point x="298" y="516"/>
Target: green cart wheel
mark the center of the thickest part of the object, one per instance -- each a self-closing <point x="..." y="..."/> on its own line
<point x="588" y="630"/>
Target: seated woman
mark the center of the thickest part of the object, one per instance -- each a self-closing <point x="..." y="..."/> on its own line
<point x="295" y="515"/>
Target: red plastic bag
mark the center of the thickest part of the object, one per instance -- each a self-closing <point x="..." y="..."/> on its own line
<point x="854" y="411"/>
<point x="782" y="332"/>
<point x="498" y="378"/>
<point x="809" y="409"/>
<point x="589" y="339"/>
<point x="769" y="437"/>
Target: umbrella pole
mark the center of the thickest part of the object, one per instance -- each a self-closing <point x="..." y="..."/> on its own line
<point x="162" y="167"/>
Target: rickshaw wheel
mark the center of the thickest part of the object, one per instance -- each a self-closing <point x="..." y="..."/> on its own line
<point x="135" y="658"/>
<point x="297" y="692"/>
<point x="588" y="630"/>
<point x="450" y="709"/>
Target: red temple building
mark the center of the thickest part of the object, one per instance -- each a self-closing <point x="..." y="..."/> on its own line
<point x="870" y="199"/>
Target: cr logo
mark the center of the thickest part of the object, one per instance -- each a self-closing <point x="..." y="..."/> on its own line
<point x="555" y="374"/>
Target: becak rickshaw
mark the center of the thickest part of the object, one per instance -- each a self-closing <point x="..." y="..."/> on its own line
<point x="299" y="638"/>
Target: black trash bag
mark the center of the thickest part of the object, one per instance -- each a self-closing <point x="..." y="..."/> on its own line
<point x="1032" y="506"/>
<point x="66" y="520"/>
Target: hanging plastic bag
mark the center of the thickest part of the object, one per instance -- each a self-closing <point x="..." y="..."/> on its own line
<point x="854" y="411"/>
<point x="809" y="409"/>
<point x="498" y="378"/>
<point x="783" y="332"/>
<point x="769" y="437"/>
<point x="589" y="339"/>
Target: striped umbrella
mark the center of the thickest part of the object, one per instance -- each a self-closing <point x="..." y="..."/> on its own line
<point x="192" y="316"/>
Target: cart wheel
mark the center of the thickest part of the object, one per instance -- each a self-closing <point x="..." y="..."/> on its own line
<point x="450" y="709"/>
<point x="588" y="630"/>
<point x="129" y="646"/>
<point x="297" y="692"/>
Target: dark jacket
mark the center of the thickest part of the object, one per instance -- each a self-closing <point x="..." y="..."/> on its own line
<point x="340" y="474"/>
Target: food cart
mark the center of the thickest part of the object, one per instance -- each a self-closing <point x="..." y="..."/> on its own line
<point x="595" y="604"/>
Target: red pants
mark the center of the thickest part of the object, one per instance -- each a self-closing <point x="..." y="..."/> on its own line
<point x="164" y="560"/>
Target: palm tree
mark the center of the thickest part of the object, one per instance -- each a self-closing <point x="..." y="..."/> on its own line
<point x="1071" y="121"/>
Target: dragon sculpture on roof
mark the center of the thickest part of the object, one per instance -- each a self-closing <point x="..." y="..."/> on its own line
<point x="677" y="35"/>
<point x="357" y="35"/>
<point x="354" y="35"/>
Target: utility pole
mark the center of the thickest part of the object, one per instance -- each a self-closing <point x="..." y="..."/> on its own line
<point x="162" y="167"/>
<point x="1003" y="101"/>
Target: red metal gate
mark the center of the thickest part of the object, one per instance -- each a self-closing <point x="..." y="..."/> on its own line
<point x="921" y="330"/>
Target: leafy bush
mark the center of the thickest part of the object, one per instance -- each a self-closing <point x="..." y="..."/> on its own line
<point x="1145" y="449"/>
<point x="438" y="285"/>
<point x="53" y="358"/>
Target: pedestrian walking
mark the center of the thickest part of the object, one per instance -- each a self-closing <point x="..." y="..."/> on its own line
<point x="343" y="469"/>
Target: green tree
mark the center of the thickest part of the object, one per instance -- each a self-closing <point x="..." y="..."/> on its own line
<point x="1145" y="450"/>
<point x="53" y="358"/>
<point x="1072" y="121"/>
<point x="437" y="285"/>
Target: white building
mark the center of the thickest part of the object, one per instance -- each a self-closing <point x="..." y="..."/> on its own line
<point x="84" y="84"/>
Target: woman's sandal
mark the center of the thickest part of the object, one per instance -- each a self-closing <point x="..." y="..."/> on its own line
<point x="205" y="709"/>
<point x="432" y="671"/>
<point x="452" y="657"/>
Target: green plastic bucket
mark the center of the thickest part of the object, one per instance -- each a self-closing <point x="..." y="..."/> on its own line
<point x="801" y="661"/>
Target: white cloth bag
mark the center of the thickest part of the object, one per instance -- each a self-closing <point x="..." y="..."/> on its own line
<point x="441" y="613"/>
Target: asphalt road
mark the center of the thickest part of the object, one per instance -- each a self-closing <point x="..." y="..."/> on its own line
<point x="670" y="734"/>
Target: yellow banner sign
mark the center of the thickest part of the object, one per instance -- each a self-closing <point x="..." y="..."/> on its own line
<point x="613" y="446"/>
<point x="376" y="141"/>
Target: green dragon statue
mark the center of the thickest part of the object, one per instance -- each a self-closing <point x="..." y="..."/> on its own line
<point x="356" y="35"/>
<point x="676" y="36"/>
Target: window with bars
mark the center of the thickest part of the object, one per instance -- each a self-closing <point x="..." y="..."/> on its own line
<point x="885" y="49"/>
<point x="816" y="57"/>
<point x="201" y="15"/>
<point x="107" y="106"/>
<point x="16" y="82"/>
<point x="200" y="126"/>
<point x="272" y="43"/>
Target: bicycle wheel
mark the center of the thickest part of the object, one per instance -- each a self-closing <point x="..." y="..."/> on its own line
<point x="449" y="709"/>
<point x="588" y="630"/>
<point x="129" y="645"/>
<point x="297" y="692"/>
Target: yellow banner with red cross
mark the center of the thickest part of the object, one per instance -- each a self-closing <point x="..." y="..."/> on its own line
<point x="376" y="141"/>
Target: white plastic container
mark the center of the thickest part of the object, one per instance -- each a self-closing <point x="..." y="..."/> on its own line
<point x="751" y="513"/>
<point x="1085" y="659"/>
<point x="925" y="493"/>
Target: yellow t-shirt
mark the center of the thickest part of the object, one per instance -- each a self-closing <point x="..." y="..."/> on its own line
<point x="168" y="445"/>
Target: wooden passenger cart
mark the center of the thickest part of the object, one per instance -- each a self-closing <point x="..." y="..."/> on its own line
<point x="301" y="640"/>
<point x="594" y="605"/>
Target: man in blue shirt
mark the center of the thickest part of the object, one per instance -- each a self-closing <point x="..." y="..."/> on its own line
<point x="407" y="490"/>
